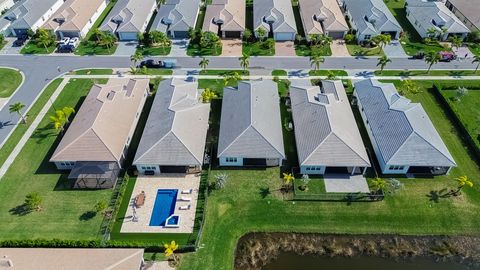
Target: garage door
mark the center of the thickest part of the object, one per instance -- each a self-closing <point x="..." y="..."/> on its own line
<point x="127" y="36"/>
<point x="284" y="36"/>
<point x="173" y="169"/>
<point x="336" y="35"/>
<point x="181" y="34"/>
<point x="232" y="34"/>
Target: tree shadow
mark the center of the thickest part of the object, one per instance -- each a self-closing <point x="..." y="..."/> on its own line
<point x="20" y="210"/>
<point x="64" y="183"/>
<point x="87" y="215"/>
<point x="41" y="134"/>
<point x="436" y="195"/>
<point x="264" y="192"/>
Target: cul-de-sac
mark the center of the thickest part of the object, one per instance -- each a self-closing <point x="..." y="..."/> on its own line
<point x="239" y="134"/>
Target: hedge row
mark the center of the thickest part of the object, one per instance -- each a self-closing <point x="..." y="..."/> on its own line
<point x="453" y="85"/>
<point x="437" y="87"/>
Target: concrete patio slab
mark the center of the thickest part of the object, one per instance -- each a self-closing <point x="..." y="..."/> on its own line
<point x="285" y="48"/>
<point x="150" y="185"/>
<point x="344" y="183"/>
<point x="339" y="48"/>
<point x="232" y="47"/>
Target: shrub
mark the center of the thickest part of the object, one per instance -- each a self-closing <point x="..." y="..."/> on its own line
<point x="33" y="201"/>
<point x="221" y="180"/>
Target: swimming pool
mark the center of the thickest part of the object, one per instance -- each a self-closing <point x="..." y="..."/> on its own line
<point x="164" y="206"/>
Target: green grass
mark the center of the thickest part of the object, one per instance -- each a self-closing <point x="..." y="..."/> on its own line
<point x="159" y="71"/>
<point x="222" y="72"/>
<point x="196" y="50"/>
<point x="326" y="72"/>
<point x="250" y="203"/>
<point x="304" y="49"/>
<point x="216" y="85"/>
<point x="66" y="213"/>
<point x="161" y="50"/>
<point x="2" y="44"/>
<point x="94" y="71"/>
<point x="18" y="132"/>
<point x="357" y="50"/>
<point x="315" y="186"/>
<point x="283" y="87"/>
<point x="425" y="73"/>
<point x="474" y="48"/>
<point x="33" y="48"/>
<point x="255" y="48"/>
<point x="279" y="72"/>
<point x="9" y="82"/>
<point x="412" y="42"/>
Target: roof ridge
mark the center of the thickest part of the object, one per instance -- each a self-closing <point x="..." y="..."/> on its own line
<point x="428" y="142"/>
<point x="101" y="140"/>
<point x="186" y="147"/>
<point x="263" y="137"/>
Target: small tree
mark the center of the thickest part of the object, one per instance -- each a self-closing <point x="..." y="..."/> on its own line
<point x="101" y="206"/>
<point x="476" y="59"/>
<point x="247" y="35"/>
<point x="461" y="92"/>
<point x="208" y="95"/>
<point x="462" y="181"/>
<point x="107" y="40"/>
<point x="192" y="33"/>
<point x="349" y="38"/>
<point x="137" y="56"/>
<point x="298" y="38"/>
<point x="410" y="86"/>
<point x="456" y="41"/>
<point x="325" y="40"/>
<point x="221" y="180"/>
<point x="33" y="201"/>
<point x="331" y="75"/>
<point x="261" y="33"/>
<point x="17" y="107"/>
<point x="204" y="63"/>
<point x="244" y="61"/>
<point x="315" y="61"/>
<point x="378" y="184"/>
<point x="431" y="58"/>
<point x="288" y="179"/>
<point x="382" y="62"/>
<point x="97" y="34"/>
<point x="45" y="37"/>
<point x="170" y="250"/>
<point x="140" y="37"/>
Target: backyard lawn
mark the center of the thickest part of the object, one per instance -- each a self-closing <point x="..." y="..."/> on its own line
<point x="216" y="85"/>
<point x="65" y="213"/>
<point x="11" y="80"/>
<point x="357" y="50"/>
<point x="250" y="202"/>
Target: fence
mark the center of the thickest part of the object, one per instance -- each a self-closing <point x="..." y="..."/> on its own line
<point x="336" y="197"/>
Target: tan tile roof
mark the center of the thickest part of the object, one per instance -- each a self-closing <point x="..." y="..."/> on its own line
<point x="312" y="11"/>
<point x="101" y="127"/>
<point x="71" y="259"/>
<point x="232" y="12"/>
<point x="75" y="14"/>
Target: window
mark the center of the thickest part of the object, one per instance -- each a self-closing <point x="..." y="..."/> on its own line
<point x="231" y="160"/>
<point x="396" y="168"/>
<point x="148" y="168"/>
<point x="368" y="36"/>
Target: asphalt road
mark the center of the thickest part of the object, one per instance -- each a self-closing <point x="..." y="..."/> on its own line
<point x="40" y="70"/>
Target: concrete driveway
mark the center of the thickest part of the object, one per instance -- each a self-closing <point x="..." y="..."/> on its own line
<point x="9" y="48"/>
<point x="126" y="48"/>
<point x="179" y="47"/>
<point x="285" y="48"/>
<point x="394" y="49"/>
<point x="339" y="48"/>
<point x="231" y="47"/>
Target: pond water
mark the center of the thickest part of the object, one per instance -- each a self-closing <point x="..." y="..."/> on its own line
<point x="291" y="261"/>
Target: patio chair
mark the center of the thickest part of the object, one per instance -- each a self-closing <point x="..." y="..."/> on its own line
<point x="185" y="199"/>
<point x="187" y="191"/>
<point x="140" y="200"/>
<point x="184" y="207"/>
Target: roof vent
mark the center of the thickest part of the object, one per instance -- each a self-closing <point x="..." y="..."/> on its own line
<point x="117" y="19"/>
<point x="167" y="21"/>
<point x="11" y="17"/>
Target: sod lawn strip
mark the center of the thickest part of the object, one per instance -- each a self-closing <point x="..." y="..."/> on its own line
<point x="33" y="48"/>
<point x="407" y="73"/>
<point x="65" y="213"/>
<point x="357" y="50"/>
<point x="255" y="48"/>
<point x="94" y="71"/>
<point x="222" y="72"/>
<point x="11" y="80"/>
<point x="323" y="72"/>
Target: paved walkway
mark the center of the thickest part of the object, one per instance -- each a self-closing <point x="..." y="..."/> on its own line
<point x="339" y="48"/>
<point x="11" y="158"/>
<point x="394" y="49"/>
<point x="344" y="183"/>
<point x="179" y="47"/>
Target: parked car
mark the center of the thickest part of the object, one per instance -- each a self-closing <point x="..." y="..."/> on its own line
<point x="20" y="41"/>
<point x="447" y="56"/>
<point x="74" y="42"/>
<point x="64" y="41"/>
<point x="150" y="63"/>
<point x="419" y="55"/>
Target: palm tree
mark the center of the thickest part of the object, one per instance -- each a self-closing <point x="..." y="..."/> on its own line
<point x="456" y="41"/>
<point x="192" y="33"/>
<point x="325" y="40"/>
<point x="382" y="62"/>
<point x="379" y="184"/>
<point x="432" y="32"/>
<point x="137" y="56"/>
<point x="476" y="59"/>
<point x="288" y="179"/>
<point x="45" y="38"/>
<point x="431" y="58"/>
<point x="204" y="63"/>
<point x="170" y="250"/>
<point x="68" y="111"/>
<point x="107" y="39"/>
<point x="58" y="120"/>
<point x="411" y="87"/>
<point x="244" y="61"/>
<point x="316" y="60"/>
<point x="17" y="108"/>
<point x="247" y="34"/>
<point x="462" y="182"/>
<point x="261" y="33"/>
<point x="97" y="33"/>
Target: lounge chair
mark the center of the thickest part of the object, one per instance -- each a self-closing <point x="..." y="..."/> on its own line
<point x="184" y="207"/>
<point x="140" y="200"/>
<point x="187" y="191"/>
<point x="185" y="199"/>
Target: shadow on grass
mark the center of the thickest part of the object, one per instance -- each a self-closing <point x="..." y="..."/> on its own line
<point x="264" y="192"/>
<point x="20" y="210"/>
<point x="87" y="216"/>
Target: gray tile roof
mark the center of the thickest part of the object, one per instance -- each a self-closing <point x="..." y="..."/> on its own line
<point x="250" y="125"/>
<point x="470" y="9"/>
<point x="401" y="129"/>
<point x="379" y="17"/>
<point x="131" y="15"/>
<point x="25" y="13"/>
<point x="427" y="12"/>
<point x="280" y="11"/>
<point x="176" y="128"/>
<point x="326" y="133"/>
<point x="180" y="14"/>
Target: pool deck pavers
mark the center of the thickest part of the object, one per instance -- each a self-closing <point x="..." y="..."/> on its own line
<point x="150" y="184"/>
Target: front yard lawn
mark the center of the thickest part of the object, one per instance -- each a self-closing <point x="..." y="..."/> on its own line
<point x="258" y="48"/>
<point x="94" y="71"/>
<point x="33" y="48"/>
<point x="357" y="50"/>
<point x="160" y="50"/>
<point x="279" y="72"/>
<point x="89" y="47"/>
<point x="425" y="73"/>
<point x="323" y="72"/>
<point x="9" y="82"/>
<point x="474" y="48"/>
<point x="196" y="50"/>
<point x="251" y="202"/>
<point x="66" y="213"/>
<point x="304" y="49"/>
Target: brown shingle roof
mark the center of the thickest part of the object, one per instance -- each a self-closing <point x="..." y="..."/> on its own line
<point x="75" y="14"/>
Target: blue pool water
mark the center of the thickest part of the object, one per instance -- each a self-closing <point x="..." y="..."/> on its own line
<point x="164" y="206"/>
<point x="173" y="220"/>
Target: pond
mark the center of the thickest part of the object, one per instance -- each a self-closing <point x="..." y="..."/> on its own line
<point x="290" y="261"/>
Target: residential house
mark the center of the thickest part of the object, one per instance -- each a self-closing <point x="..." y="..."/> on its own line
<point x="425" y="15"/>
<point x="71" y="258"/>
<point x="370" y="18"/>
<point x="174" y="137"/>
<point x="96" y="142"/>
<point x="322" y="17"/>
<point x="403" y="137"/>
<point x="128" y="18"/>
<point x="27" y="15"/>
<point x="175" y="17"/>
<point x="75" y="17"/>
<point x="250" y="125"/>
<point x="5" y="5"/>
<point x="225" y="17"/>
<point x="468" y="11"/>
<point x="276" y="17"/>
<point x="326" y="134"/>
